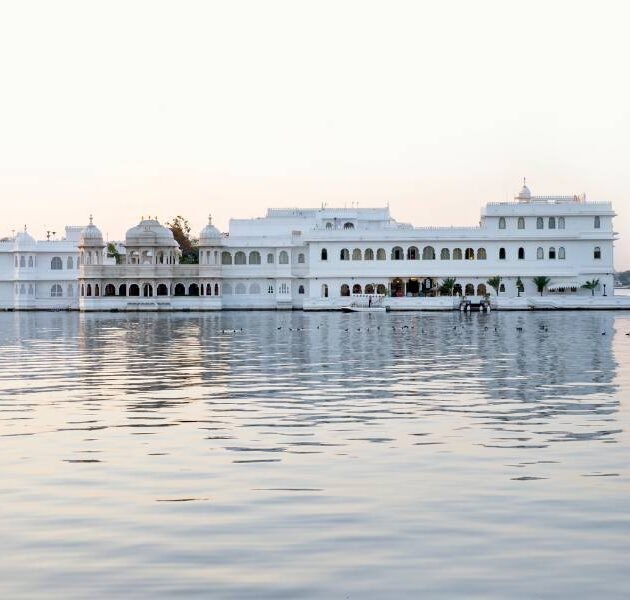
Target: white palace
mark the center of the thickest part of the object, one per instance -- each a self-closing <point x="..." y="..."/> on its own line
<point x="322" y="259"/>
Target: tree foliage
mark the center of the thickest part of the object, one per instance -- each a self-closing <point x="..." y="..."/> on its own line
<point x="591" y="285"/>
<point x="447" y="286"/>
<point x="188" y="245"/>
<point x="541" y="282"/>
<point x="112" y="252"/>
<point x="495" y="283"/>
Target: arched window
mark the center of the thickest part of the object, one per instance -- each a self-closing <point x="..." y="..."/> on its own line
<point x="283" y="258"/>
<point x="502" y="287"/>
<point x="561" y="253"/>
<point x="344" y="254"/>
<point x="413" y="253"/>
<point x="55" y="291"/>
<point x="88" y="289"/>
<point x="301" y="289"/>
<point x="216" y="289"/>
<point x="481" y="289"/>
<point x="122" y="289"/>
<point x="552" y="253"/>
<point x="501" y="222"/>
<point x="521" y="223"/>
<point x="368" y="254"/>
<point x="540" y="253"/>
<point x="147" y="290"/>
<point x="324" y="291"/>
<point x="110" y="290"/>
<point x="369" y="288"/>
<point x="329" y="225"/>
<point x="226" y="290"/>
<point x="270" y="258"/>
<point x="96" y="290"/>
<point x="30" y="262"/>
<point x="597" y="222"/>
<point x="457" y="254"/>
<point x="55" y="263"/>
<point x="82" y="290"/>
<point x="284" y="288"/>
<point x="134" y="290"/>
<point x="239" y="258"/>
<point x="345" y="290"/>
<point x="180" y="290"/>
<point x="254" y="288"/>
<point x="397" y="253"/>
<point x="445" y="254"/>
<point x="470" y="254"/>
<point x="470" y="289"/>
<point x="22" y="261"/>
<point x="381" y="254"/>
<point x="69" y="263"/>
<point x="240" y="288"/>
<point x="324" y="254"/>
<point x="356" y="254"/>
<point x="560" y="222"/>
<point x="208" y="289"/>
<point x="428" y="253"/>
<point x="597" y="253"/>
<point x="356" y="288"/>
<point x="381" y="289"/>
<point x="254" y="258"/>
<point x="193" y="289"/>
<point x="301" y="258"/>
<point x="521" y="253"/>
<point x="270" y="289"/>
<point x="481" y="254"/>
<point x="501" y="253"/>
<point x="552" y="223"/>
<point x="162" y="290"/>
<point x="226" y="258"/>
<point x="348" y="225"/>
<point x="540" y="224"/>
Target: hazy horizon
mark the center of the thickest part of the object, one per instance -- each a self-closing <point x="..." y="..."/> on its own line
<point x="127" y="109"/>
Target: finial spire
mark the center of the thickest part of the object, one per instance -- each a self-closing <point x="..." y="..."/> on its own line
<point x="524" y="180"/>
<point x="24" y="228"/>
<point x="91" y="220"/>
<point x="209" y="218"/>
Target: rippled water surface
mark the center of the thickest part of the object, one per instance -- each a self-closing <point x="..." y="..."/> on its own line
<point x="293" y="455"/>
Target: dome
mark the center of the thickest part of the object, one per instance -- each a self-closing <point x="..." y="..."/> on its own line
<point x="524" y="194"/>
<point x="91" y="235"/>
<point x="209" y="234"/>
<point x="149" y="232"/>
<point x="23" y="238"/>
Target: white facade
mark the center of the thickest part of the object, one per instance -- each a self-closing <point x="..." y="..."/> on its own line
<point x="320" y="258"/>
<point x="40" y="274"/>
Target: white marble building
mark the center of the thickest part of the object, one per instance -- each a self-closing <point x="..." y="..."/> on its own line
<point x="318" y="259"/>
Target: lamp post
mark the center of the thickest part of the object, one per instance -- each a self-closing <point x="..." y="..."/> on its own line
<point x="604" y="289"/>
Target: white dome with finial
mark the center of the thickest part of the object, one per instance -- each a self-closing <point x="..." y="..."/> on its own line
<point x="91" y="235"/>
<point x="24" y="238"/>
<point x="524" y="195"/>
<point x="150" y="233"/>
<point x="209" y="235"/>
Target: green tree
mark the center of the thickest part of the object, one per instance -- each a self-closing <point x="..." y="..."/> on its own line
<point x="591" y="285"/>
<point x="112" y="252"/>
<point x="447" y="286"/>
<point x="519" y="286"/>
<point x="541" y="282"/>
<point x="188" y="245"/>
<point x="495" y="283"/>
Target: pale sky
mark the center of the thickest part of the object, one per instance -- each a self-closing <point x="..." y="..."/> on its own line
<point x="125" y="109"/>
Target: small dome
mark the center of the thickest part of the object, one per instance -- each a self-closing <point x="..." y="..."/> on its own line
<point x="149" y="232"/>
<point x="91" y="235"/>
<point x="23" y="238"/>
<point x="524" y="194"/>
<point x="209" y="234"/>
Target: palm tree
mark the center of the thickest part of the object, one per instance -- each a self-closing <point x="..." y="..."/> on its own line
<point x="541" y="282"/>
<point x="495" y="283"/>
<point x="446" y="289"/>
<point x="591" y="285"/>
<point x="519" y="286"/>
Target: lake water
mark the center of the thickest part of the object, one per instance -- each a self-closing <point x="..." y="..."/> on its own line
<point x="295" y="455"/>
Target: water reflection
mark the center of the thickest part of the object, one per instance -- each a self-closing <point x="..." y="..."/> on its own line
<point x="371" y="446"/>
